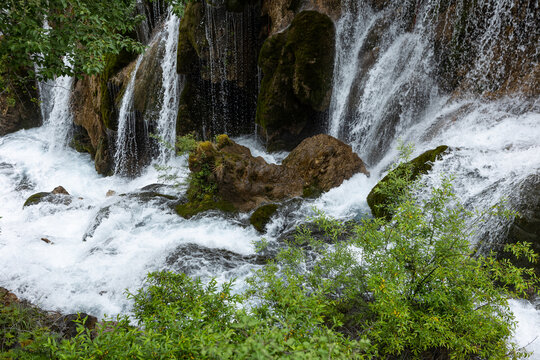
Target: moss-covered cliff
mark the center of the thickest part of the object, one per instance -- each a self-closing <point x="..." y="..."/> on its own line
<point x="295" y="90"/>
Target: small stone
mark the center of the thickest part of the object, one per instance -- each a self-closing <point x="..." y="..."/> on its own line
<point x="59" y="190"/>
<point x="110" y="193"/>
<point x="45" y="240"/>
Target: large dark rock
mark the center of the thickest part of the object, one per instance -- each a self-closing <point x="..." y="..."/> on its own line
<point x="224" y="175"/>
<point x="295" y="91"/>
<point x="409" y="171"/>
<point x="19" y="109"/>
<point x="220" y="83"/>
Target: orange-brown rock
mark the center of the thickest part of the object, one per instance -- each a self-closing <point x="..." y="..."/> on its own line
<point x="226" y="176"/>
<point x="324" y="162"/>
<point x="7" y="298"/>
<point x="282" y="12"/>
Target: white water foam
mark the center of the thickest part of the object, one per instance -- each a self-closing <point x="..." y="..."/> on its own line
<point x="135" y="235"/>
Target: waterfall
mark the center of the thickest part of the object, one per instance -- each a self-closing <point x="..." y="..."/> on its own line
<point x="126" y="140"/>
<point x="351" y="31"/>
<point x="59" y="121"/>
<point x="229" y="69"/>
<point x="158" y="111"/>
<point x="166" y="124"/>
<point x="389" y="84"/>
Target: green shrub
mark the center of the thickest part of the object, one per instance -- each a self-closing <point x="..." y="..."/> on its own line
<point x="412" y="287"/>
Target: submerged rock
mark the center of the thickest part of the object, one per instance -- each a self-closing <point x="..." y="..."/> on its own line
<point x="526" y="227"/>
<point x="191" y="258"/>
<point x="225" y="176"/>
<point x="379" y="202"/>
<point x="295" y="91"/>
<point x="59" y="195"/>
<point x="262" y="215"/>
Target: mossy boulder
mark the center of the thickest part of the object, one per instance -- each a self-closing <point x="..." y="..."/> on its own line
<point x="207" y="203"/>
<point x="191" y="37"/>
<point x="409" y="171"/>
<point x="36" y="198"/>
<point x="58" y="195"/>
<point x="295" y="91"/>
<point x="225" y="174"/>
<point x="262" y="216"/>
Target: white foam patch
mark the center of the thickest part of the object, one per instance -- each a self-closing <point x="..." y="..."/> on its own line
<point x="527" y="332"/>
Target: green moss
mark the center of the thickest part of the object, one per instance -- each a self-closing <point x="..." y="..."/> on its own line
<point x="208" y="202"/>
<point x="113" y="64"/>
<point x="35" y="199"/>
<point x="190" y="38"/>
<point x="311" y="191"/>
<point x="311" y="38"/>
<point x="298" y="69"/>
<point x="262" y="215"/>
<point x="222" y="141"/>
<point x="378" y="202"/>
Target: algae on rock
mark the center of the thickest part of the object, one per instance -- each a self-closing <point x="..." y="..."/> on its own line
<point x="379" y="202"/>
<point x="296" y="88"/>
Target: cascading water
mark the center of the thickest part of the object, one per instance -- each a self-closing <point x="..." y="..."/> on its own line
<point x="351" y="30"/>
<point x="59" y="120"/>
<point x="126" y="141"/>
<point x="166" y="127"/>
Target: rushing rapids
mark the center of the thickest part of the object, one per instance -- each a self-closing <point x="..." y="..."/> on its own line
<point x="386" y="88"/>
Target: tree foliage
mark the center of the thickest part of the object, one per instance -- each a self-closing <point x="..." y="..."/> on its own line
<point x="43" y="39"/>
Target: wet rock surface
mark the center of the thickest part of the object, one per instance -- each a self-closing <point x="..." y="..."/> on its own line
<point x="192" y="258"/>
<point x="225" y="174"/>
<point x="58" y="195"/>
<point x="408" y="172"/>
<point x="295" y="90"/>
<point x="526" y="227"/>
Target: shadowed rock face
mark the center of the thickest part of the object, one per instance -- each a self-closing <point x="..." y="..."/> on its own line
<point x="218" y="45"/>
<point x="295" y="91"/>
<point x="225" y="173"/>
<point x="18" y="110"/>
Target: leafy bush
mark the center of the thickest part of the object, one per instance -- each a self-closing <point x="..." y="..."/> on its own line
<point x="413" y="287"/>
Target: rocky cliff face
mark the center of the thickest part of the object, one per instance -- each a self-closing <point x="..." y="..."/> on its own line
<point x="295" y="91"/>
<point x="20" y="109"/>
<point x="217" y="52"/>
<point x="95" y="102"/>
